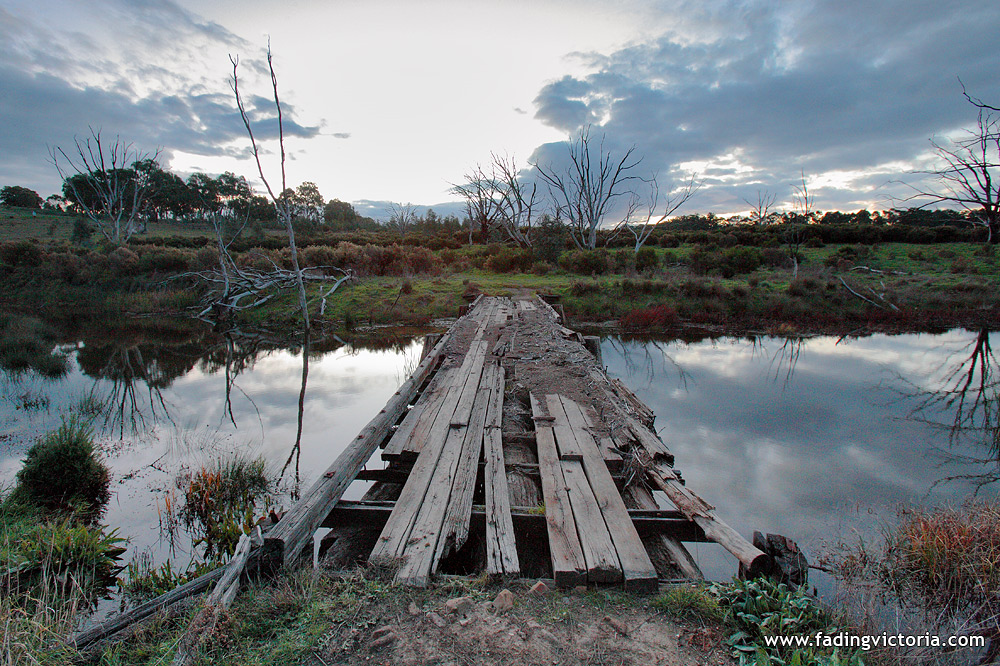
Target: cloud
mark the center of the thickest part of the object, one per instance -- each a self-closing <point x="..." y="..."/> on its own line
<point x="812" y="88"/>
<point x="341" y="135"/>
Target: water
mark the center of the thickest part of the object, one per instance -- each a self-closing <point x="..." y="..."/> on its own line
<point x="167" y="414"/>
<point x="814" y="439"/>
<point x="807" y="438"/>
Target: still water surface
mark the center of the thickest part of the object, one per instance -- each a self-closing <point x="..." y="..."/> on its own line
<point x="800" y="437"/>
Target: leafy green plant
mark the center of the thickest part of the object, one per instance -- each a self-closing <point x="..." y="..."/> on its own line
<point x="761" y="608"/>
<point x="65" y="553"/>
<point x="220" y="501"/>
<point x="62" y="472"/>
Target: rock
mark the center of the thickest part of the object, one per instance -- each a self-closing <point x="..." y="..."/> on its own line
<point x="384" y="641"/>
<point x="465" y="621"/>
<point x="460" y="606"/>
<point x="412" y="609"/>
<point x="504" y="602"/>
<point x="381" y="631"/>
<point x="580" y="589"/>
<point x="615" y="624"/>
<point x="437" y="620"/>
<point x="545" y="636"/>
<point x="539" y="588"/>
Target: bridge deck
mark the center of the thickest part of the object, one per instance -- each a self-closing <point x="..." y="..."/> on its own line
<point x="510" y="419"/>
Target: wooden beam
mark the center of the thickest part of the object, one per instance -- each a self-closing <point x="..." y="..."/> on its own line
<point x="501" y="546"/>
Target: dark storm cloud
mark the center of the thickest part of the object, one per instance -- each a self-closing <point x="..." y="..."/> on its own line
<point x="826" y="86"/>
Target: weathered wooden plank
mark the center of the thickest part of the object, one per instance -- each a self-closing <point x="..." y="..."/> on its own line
<point x="473" y="375"/>
<point x="111" y="626"/>
<point x="599" y="552"/>
<point x="394" y="536"/>
<point x="501" y="545"/>
<point x="455" y="529"/>
<point x="638" y="569"/>
<point x="409" y="437"/>
<point x="285" y="542"/>
<point x="422" y="552"/>
<point x="569" y="568"/>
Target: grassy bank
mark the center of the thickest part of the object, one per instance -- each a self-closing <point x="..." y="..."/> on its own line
<point x="735" y="280"/>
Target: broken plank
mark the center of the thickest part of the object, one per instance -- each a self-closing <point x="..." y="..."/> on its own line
<point x="569" y="568"/>
<point x="599" y="552"/>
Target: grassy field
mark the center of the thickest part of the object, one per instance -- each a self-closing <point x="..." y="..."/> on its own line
<point x="839" y="287"/>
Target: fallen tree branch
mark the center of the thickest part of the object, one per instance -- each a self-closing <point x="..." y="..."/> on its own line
<point x="868" y="300"/>
<point x="875" y="270"/>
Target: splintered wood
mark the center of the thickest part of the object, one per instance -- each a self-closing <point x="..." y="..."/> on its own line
<point x="449" y="446"/>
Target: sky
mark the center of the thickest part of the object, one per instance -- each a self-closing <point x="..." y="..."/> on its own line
<point x="394" y="101"/>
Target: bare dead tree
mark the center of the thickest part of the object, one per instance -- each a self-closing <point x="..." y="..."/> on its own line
<point x="402" y="216"/>
<point x="481" y="204"/>
<point x="282" y="205"/>
<point x="658" y="208"/>
<point x="517" y="203"/>
<point x="794" y="225"/>
<point x="761" y="209"/>
<point x="975" y="101"/>
<point x="970" y="175"/>
<point x="585" y="193"/>
<point x="107" y="188"/>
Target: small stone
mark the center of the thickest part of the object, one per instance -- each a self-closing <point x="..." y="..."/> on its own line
<point x="381" y="631"/>
<point x="465" y="621"/>
<point x="615" y="624"/>
<point x="539" y="588"/>
<point x="412" y="609"/>
<point x="504" y="602"/>
<point x="460" y="606"/>
<point x="437" y="620"/>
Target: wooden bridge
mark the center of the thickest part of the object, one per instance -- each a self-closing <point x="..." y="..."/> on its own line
<point x="510" y="451"/>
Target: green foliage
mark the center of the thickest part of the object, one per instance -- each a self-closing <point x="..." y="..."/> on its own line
<point x="646" y="259"/>
<point x="67" y="552"/>
<point x="21" y="197"/>
<point x="585" y="262"/>
<point x="548" y="239"/>
<point x="63" y="473"/>
<point x="760" y="607"/>
<point x="144" y="581"/>
<point x="510" y="260"/>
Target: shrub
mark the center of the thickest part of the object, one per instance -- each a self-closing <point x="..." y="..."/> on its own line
<point x="63" y="473"/>
<point x="541" y="268"/>
<point x="548" y="239"/>
<point x="646" y="259"/>
<point x="658" y="316"/>
<point x="688" y="602"/>
<point x="21" y="253"/>
<point x="82" y="232"/>
<point x="585" y="262"/>
<point x="962" y="265"/>
<point x="510" y="260"/>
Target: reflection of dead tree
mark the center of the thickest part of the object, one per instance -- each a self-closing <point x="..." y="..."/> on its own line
<point x="296" y="452"/>
<point x="967" y="405"/>
<point x="647" y="365"/>
<point x="786" y="357"/>
<point x="124" y="405"/>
